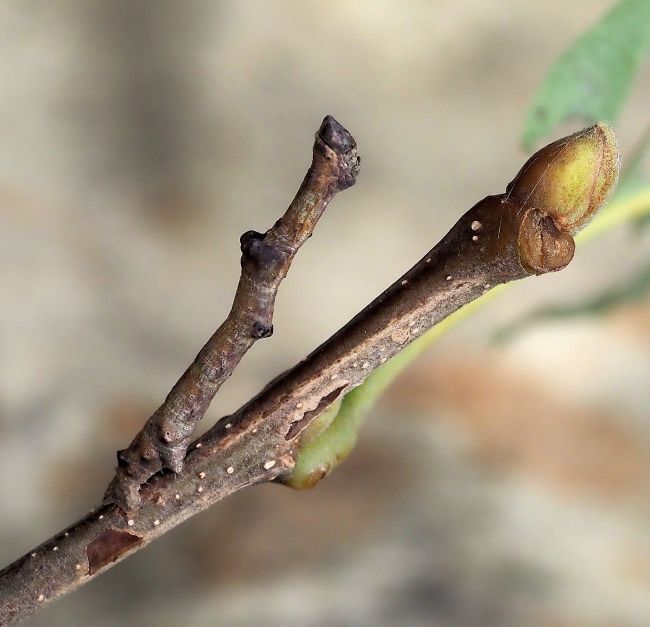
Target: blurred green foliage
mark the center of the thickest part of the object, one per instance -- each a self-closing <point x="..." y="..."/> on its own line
<point x="591" y="79"/>
<point x="633" y="289"/>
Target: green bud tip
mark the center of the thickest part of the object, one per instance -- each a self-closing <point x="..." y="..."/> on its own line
<point x="570" y="179"/>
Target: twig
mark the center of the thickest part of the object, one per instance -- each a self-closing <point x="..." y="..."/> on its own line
<point x="266" y="258"/>
<point x="501" y="239"/>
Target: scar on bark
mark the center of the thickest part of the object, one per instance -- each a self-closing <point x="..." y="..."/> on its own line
<point x="108" y="547"/>
<point x="308" y="416"/>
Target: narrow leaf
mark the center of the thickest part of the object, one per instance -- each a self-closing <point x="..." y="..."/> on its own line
<point x="591" y="79"/>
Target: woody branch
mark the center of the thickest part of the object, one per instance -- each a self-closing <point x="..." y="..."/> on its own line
<point x="526" y="231"/>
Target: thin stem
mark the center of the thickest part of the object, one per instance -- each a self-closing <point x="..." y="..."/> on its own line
<point x="625" y="210"/>
<point x="266" y="258"/>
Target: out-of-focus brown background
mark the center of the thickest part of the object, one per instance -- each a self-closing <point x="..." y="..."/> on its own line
<point x="492" y="486"/>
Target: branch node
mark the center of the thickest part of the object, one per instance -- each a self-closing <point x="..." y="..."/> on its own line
<point x="266" y="259"/>
<point x="261" y="330"/>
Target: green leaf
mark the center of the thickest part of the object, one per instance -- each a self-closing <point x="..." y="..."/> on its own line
<point x="591" y="79"/>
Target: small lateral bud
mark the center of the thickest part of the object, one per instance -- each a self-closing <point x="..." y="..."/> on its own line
<point x="542" y="246"/>
<point x="570" y="179"/>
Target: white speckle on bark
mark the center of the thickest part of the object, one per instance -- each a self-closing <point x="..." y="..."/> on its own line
<point x="399" y="336"/>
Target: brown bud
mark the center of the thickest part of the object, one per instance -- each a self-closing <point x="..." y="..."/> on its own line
<point x="570" y="179"/>
<point x="542" y="247"/>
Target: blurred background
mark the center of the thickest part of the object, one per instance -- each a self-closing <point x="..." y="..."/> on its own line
<point x="493" y="485"/>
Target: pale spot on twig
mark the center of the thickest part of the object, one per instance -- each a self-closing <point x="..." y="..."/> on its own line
<point x="268" y="465"/>
<point x="130" y="522"/>
<point x="400" y="336"/>
<point x="201" y="475"/>
<point x="156" y="522"/>
<point x="230" y="470"/>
